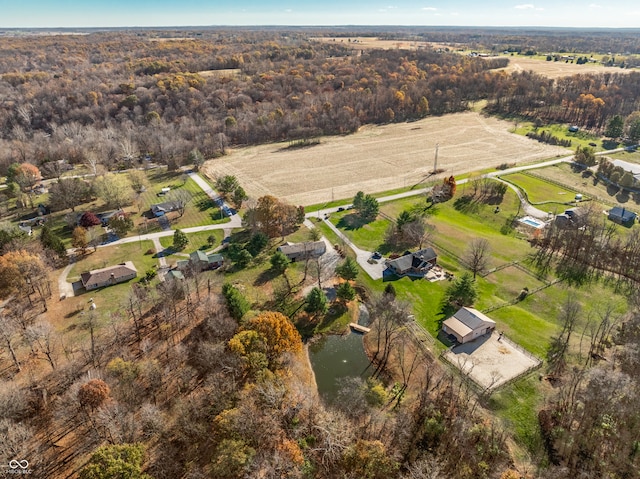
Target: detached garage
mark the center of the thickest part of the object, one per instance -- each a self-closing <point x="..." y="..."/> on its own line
<point x="468" y="324"/>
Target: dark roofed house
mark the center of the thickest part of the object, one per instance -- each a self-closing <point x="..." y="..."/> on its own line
<point x="571" y="218"/>
<point x="468" y="324"/>
<point x="310" y="249"/>
<point x="160" y="209"/>
<point x="108" y="276"/>
<point x="622" y="215"/>
<point x="417" y="264"/>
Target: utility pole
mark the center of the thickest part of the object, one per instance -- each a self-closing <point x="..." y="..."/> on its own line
<point x="435" y="161"/>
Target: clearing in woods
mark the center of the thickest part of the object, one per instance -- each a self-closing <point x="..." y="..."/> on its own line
<point x="378" y="158"/>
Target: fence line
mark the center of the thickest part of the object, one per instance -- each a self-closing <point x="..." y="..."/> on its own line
<point x="481" y="389"/>
<point x="521" y="349"/>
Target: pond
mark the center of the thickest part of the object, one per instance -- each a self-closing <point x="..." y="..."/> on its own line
<point x="335" y="357"/>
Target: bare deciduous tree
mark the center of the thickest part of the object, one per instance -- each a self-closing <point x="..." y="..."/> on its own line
<point x="477" y="255"/>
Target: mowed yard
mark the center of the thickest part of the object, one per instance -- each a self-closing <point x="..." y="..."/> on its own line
<point x="379" y="158"/>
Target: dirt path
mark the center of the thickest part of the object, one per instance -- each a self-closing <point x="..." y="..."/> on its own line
<point x="378" y="158"/>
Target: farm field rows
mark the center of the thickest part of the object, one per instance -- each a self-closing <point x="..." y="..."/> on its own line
<point x="378" y="158"/>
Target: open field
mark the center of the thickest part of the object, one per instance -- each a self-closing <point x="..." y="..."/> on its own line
<point x="589" y="184"/>
<point x="517" y="63"/>
<point x="539" y="191"/>
<point x="369" y="43"/>
<point x="378" y="158"/>
<point x="558" y="69"/>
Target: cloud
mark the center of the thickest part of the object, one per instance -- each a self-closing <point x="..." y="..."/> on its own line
<point x="525" y="6"/>
<point x="595" y="5"/>
<point x="429" y="9"/>
<point x="288" y="10"/>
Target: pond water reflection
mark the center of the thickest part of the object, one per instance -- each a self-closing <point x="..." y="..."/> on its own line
<point x="335" y="357"/>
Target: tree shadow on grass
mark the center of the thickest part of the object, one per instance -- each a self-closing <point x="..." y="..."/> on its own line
<point x="165" y="252"/>
<point x="351" y="222"/>
<point x="266" y="276"/>
<point x="612" y="190"/>
<point x="622" y="196"/>
<point x="306" y="327"/>
<point x="204" y="204"/>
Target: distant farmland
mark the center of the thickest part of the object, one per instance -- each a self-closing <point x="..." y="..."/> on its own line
<point x="378" y="158"/>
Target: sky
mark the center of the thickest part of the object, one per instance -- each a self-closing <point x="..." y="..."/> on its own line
<point x="149" y="13"/>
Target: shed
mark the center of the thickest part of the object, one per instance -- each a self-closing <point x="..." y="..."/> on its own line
<point x="468" y="324"/>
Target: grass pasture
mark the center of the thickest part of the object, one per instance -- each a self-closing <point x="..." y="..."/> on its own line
<point x="588" y="184"/>
<point x="541" y="192"/>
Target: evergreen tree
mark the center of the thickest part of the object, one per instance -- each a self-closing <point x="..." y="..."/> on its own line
<point x="348" y="270"/>
<point x="615" y="127"/>
<point x="236" y="302"/>
<point x="463" y="291"/>
<point x="365" y="206"/>
<point x="279" y="262"/>
<point x="345" y="291"/>
<point x="316" y="301"/>
<point x="52" y="241"/>
<point x="180" y="240"/>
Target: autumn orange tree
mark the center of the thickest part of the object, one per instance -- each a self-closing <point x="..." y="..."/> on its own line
<point x="93" y="393"/>
<point x="270" y="333"/>
<point x="274" y="217"/>
<point x="25" y="175"/>
<point x="23" y="273"/>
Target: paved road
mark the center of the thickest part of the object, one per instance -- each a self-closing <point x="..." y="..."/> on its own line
<point x="376" y="270"/>
<point x="234" y="222"/>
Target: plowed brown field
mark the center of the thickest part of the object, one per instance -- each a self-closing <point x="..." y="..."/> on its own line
<point x="378" y="158"/>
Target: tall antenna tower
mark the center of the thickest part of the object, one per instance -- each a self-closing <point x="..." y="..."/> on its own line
<point x="435" y="161"/>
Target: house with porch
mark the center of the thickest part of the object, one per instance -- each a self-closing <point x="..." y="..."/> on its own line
<point x="161" y="209"/>
<point x="468" y="324"/>
<point x="414" y="264"/>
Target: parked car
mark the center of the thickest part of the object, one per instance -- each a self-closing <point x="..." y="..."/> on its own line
<point x="376" y="255"/>
<point x="341" y="209"/>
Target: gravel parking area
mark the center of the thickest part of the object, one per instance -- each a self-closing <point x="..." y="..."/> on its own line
<point x="491" y="361"/>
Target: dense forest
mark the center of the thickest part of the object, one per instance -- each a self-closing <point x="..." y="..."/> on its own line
<point x="120" y="96"/>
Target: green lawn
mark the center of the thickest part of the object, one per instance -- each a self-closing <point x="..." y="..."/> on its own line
<point x="517" y="404"/>
<point x="540" y="191"/>
<point x="561" y="131"/>
<point x="111" y="255"/>
<point x="198" y="240"/>
<point x="110" y="299"/>
<point x="201" y="210"/>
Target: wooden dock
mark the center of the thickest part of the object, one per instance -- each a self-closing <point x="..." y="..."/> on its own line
<point x="359" y="328"/>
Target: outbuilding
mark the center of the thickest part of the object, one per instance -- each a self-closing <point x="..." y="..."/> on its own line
<point x="468" y="324"/>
